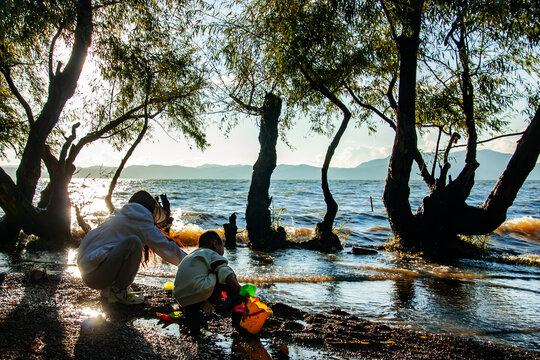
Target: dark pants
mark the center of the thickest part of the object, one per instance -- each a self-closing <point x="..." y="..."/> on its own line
<point x="195" y="317"/>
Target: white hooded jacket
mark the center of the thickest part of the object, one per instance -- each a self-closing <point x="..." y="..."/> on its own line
<point x="198" y="274"/>
<point x="131" y="219"/>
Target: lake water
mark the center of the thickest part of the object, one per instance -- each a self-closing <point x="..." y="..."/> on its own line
<point x="482" y="299"/>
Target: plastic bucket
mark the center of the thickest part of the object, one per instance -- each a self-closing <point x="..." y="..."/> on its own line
<point x="255" y="314"/>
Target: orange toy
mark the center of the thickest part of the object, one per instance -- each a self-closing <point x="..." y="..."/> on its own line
<point x="255" y="314"/>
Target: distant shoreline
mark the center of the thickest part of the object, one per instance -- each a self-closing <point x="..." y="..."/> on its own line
<point x="492" y="165"/>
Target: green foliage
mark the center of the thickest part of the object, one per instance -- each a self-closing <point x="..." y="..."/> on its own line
<point x="342" y="232"/>
<point x="518" y="260"/>
<point x="467" y="40"/>
<point x="481" y="242"/>
<point x="144" y="54"/>
<point x="277" y="217"/>
<point x="26" y="30"/>
<point x="395" y="244"/>
<point x="13" y="130"/>
<point x="270" y="45"/>
<point x="141" y="53"/>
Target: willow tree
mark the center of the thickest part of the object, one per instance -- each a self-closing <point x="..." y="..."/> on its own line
<point x="154" y="76"/>
<point x="308" y="49"/>
<point x="29" y="34"/>
<point x="243" y="87"/>
<point x="145" y="71"/>
<point x="459" y="68"/>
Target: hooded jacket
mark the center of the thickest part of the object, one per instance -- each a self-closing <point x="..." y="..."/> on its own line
<point x="131" y="219"/>
<point x="197" y="275"/>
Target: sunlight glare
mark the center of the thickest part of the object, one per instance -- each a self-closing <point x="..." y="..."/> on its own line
<point x="71" y="265"/>
<point x="92" y="313"/>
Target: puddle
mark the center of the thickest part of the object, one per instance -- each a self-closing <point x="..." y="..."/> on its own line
<point x="71" y="264"/>
<point x="256" y="348"/>
<point x="248" y="347"/>
<point x="300" y="352"/>
<point x="172" y="329"/>
<point x="4" y="263"/>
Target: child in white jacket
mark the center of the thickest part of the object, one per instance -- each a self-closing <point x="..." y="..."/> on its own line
<point x="201" y="277"/>
<point x="109" y="256"/>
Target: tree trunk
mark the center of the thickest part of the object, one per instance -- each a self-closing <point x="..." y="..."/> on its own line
<point x="445" y="215"/>
<point x="9" y="229"/>
<point x="258" y="221"/>
<point x="61" y="89"/>
<point x="396" y="190"/>
<point x="492" y="213"/>
<point x="20" y="213"/>
<point x="58" y="214"/>
<point x="324" y="238"/>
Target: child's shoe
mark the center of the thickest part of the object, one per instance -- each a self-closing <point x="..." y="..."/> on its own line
<point x="207" y="308"/>
<point x="123" y="297"/>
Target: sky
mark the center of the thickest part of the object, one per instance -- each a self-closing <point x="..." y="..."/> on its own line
<point x="242" y="147"/>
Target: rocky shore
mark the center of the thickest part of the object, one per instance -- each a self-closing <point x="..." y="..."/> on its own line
<point x="57" y="317"/>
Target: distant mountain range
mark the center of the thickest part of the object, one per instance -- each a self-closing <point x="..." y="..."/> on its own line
<point x="492" y="164"/>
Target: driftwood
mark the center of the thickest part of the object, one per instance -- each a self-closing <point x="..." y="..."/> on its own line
<point x="80" y="220"/>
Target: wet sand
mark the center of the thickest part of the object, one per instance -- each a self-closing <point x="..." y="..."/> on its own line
<point x="57" y="317"/>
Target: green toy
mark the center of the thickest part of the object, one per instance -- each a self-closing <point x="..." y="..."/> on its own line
<point x="248" y="290"/>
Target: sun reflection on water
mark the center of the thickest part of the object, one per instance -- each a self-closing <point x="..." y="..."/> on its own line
<point x="71" y="263"/>
<point x="524" y="227"/>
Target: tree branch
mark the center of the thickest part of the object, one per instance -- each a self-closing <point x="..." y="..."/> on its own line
<point x="520" y="165"/>
<point x="7" y="75"/>
<point x="493" y="138"/>
<point x="114" y="180"/>
<point x="388" y="17"/>
<point x="439" y="127"/>
<point x="61" y="89"/>
<point x="390" y="93"/>
<point x="247" y="107"/>
<point x="449" y="93"/>
<point x="74" y="151"/>
<point x="436" y="152"/>
<point x="446" y="165"/>
<point x="69" y="141"/>
<point x="51" y="49"/>
<point x="51" y="163"/>
<point x="428" y="179"/>
<point x="371" y="108"/>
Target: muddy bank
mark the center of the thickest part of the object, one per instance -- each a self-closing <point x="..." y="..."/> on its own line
<point x="57" y="317"/>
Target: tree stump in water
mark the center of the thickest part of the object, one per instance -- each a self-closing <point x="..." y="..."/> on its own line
<point x="230" y="232"/>
<point x="324" y="240"/>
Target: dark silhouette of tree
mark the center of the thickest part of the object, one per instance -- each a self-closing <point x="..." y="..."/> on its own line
<point x="147" y="77"/>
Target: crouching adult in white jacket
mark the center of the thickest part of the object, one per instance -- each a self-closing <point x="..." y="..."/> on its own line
<point x="109" y="256"/>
